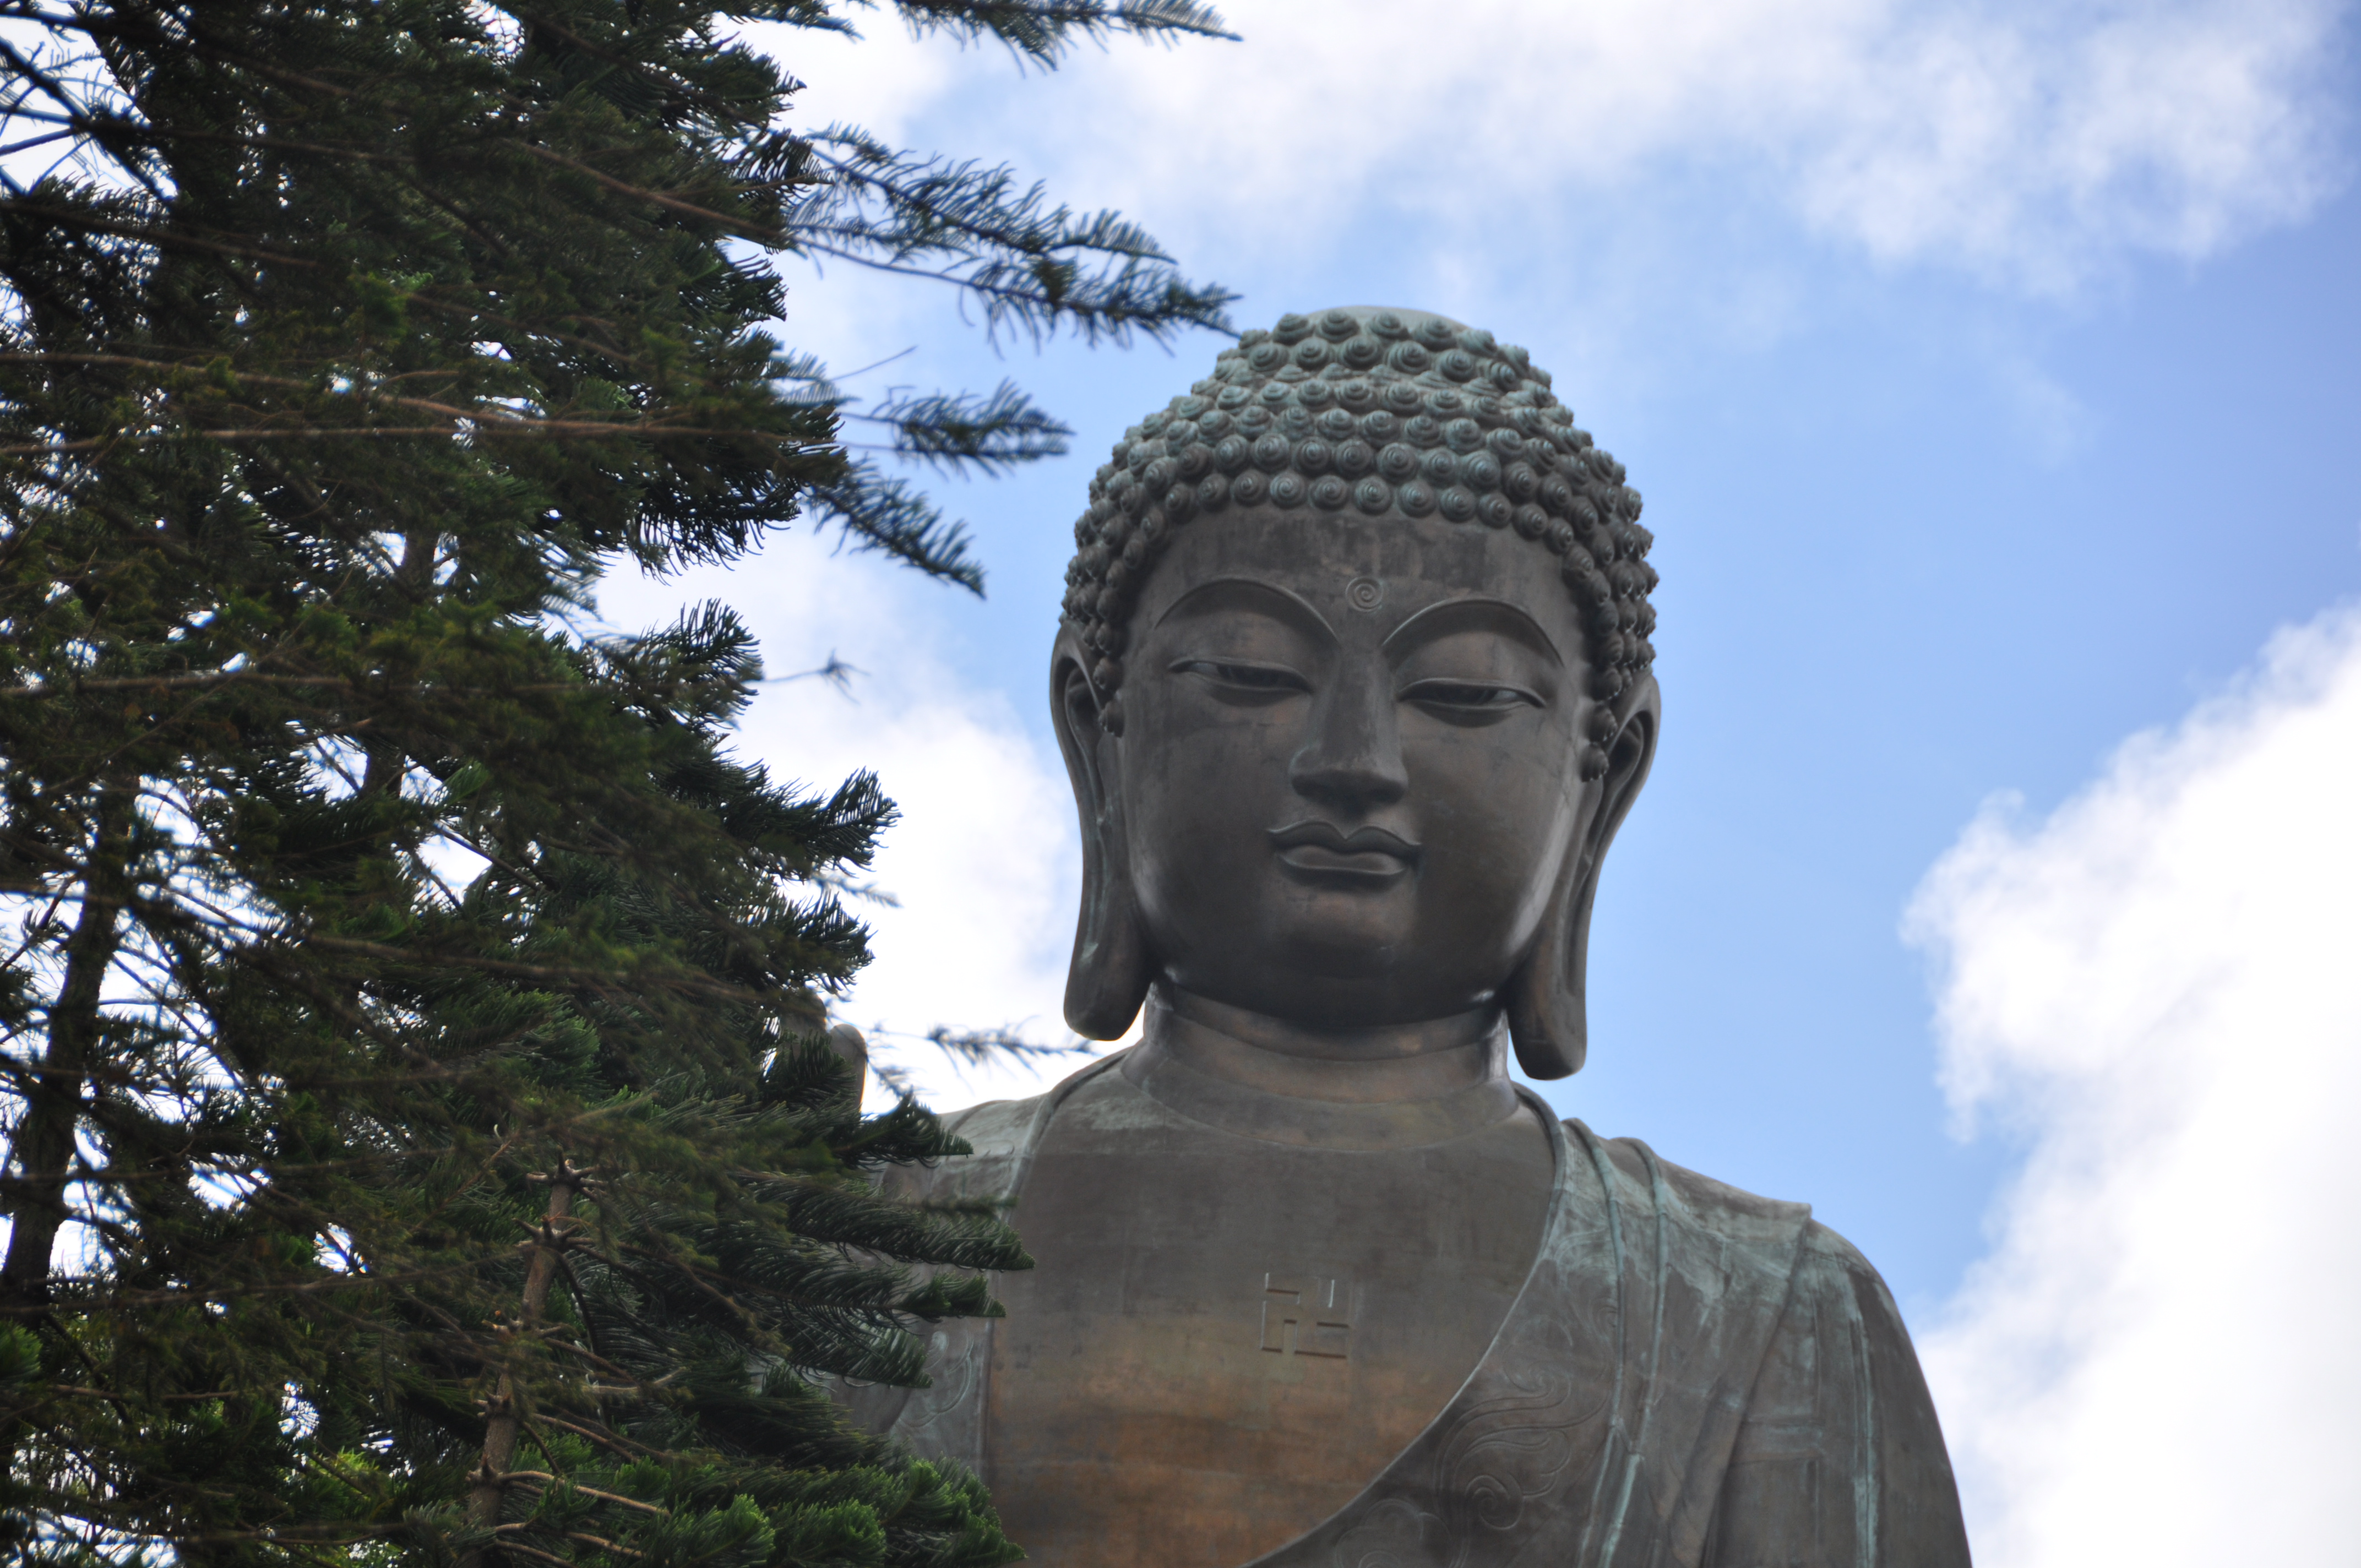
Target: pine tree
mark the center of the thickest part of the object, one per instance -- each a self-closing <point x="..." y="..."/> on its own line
<point x="422" y="1141"/>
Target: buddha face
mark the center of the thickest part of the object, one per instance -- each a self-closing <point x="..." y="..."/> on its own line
<point x="1346" y="782"/>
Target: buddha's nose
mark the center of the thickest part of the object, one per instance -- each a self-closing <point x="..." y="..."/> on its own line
<point x="1352" y="761"/>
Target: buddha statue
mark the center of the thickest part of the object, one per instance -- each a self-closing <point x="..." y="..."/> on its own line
<point x="1354" y="686"/>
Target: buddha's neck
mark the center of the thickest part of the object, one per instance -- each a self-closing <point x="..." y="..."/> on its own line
<point x="1393" y="1086"/>
<point x="1277" y="1056"/>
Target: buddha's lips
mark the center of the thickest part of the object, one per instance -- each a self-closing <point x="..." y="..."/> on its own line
<point x="1367" y="854"/>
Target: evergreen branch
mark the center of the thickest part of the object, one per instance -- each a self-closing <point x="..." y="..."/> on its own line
<point x="471" y="424"/>
<point x="606" y="1439"/>
<point x="601" y="1543"/>
<point x="881" y="513"/>
<point x="170" y="682"/>
<point x="603" y="980"/>
<point x="84" y="123"/>
<point x="978" y="1046"/>
<point x="672" y="84"/>
<point x="106" y="1176"/>
<point x="553" y="1481"/>
<point x="949" y="207"/>
<point x="75" y="1391"/>
<point x="118" y="1300"/>
<point x="1042" y="30"/>
<point x="1004" y="245"/>
<point x="1110" y="312"/>
<point x="746" y="226"/>
<point x="955" y="432"/>
<point x="145" y="234"/>
<point x="110" y="25"/>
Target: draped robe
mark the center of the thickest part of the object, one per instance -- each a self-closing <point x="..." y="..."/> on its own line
<point x="1690" y="1376"/>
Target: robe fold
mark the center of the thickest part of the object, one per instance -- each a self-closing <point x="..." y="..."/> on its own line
<point x="1690" y="1377"/>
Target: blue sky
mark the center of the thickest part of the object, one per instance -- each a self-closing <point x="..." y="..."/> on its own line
<point x="1992" y="373"/>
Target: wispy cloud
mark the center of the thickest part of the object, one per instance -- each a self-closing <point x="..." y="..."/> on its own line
<point x="2158" y="988"/>
<point x="2030" y="143"/>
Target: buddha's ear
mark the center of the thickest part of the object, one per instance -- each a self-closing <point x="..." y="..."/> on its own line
<point x="1548" y="1022"/>
<point x="1107" y="978"/>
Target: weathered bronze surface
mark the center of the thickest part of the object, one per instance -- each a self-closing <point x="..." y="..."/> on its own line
<point x="1355" y="688"/>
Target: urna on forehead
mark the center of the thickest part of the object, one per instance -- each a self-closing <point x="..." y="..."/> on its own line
<point x="1379" y="413"/>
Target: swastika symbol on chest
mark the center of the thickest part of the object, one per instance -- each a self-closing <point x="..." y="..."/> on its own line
<point x="1306" y="1314"/>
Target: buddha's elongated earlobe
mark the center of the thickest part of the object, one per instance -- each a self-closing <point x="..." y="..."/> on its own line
<point x="1107" y="978"/>
<point x="1548" y="1020"/>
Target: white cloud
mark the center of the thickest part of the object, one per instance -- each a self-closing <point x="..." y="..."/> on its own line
<point x="2053" y="421"/>
<point x="2028" y="143"/>
<point x="984" y="863"/>
<point x="2160" y="989"/>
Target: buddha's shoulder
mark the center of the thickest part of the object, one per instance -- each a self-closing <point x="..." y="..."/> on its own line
<point x="995" y="1126"/>
<point x="997" y="1133"/>
<point x="1640" y="1176"/>
<point x="1824" y="1261"/>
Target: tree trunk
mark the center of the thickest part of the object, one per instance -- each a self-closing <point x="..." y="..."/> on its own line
<point x="500" y="1432"/>
<point x="45" y="1142"/>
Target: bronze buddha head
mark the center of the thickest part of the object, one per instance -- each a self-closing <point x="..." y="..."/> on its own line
<point x="1354" y="686"/>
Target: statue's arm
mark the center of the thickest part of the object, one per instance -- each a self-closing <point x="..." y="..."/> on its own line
<point x="1918" y="1508"/>
<point x="1841" y="1458"/>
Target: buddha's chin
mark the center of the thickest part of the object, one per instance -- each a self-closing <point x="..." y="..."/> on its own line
<point x="1355" y="958"/>
<point x="1334" y="922"/>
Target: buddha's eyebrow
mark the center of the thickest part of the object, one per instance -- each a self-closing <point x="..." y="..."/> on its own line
<point x="1490" y="615"/>
<point x="1268" y="599"/>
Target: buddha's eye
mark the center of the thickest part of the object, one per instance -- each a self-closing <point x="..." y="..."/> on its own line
<point x="1467" y="702"/>
<point x="1244" y="683"/>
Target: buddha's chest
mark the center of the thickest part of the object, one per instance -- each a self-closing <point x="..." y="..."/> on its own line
<point x="1223" y="1339"/>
